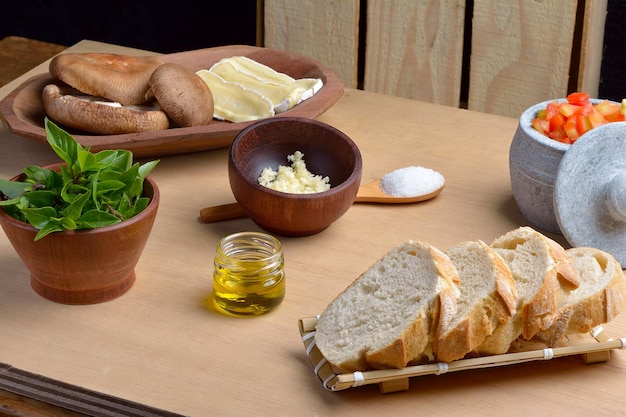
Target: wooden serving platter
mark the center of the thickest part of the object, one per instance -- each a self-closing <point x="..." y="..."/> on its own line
<point x="23" y="113"/>
<point x="595" y="347"/>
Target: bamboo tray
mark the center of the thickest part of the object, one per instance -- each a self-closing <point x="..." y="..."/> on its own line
<point x="595" y="347"/>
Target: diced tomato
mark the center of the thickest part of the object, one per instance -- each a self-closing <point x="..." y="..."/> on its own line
<point x="557" y="121"/>
<point x="541" y="125"/>
<point x="578" y="98"/>
<point x="609" y="110"/>
<point x="566" y="121"/>
<point x="569" y="110"/>
<point x="541" y="114"/>
<point x="551" y="110"/>
<point x="570" y="130"/>
<point x="587" y="108"/>
<point x="622" y="111"/>
<point x="595" y="117"/>
<point x="583" y="125"/>
<point x="559" y="135"/>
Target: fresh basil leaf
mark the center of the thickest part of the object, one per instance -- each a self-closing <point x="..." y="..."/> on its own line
<point x="124" y="159"/>
<point x="54" y="181"/>
<point x="124" y="207"/>
<point x="106" y="158"/>
<point x="62" y="143"/>
<point x="10" y="202"/>
<point x="134" y="184"/>
<point x="103" y="187"/>
<point x="70" y="191"/>
<point x="146" y="168"/>
<point x="37" y="174"/>
<point x="41" y="198"/>
<point x="13" y="189"/>
<point x="68" y="223"/>
<point x="95" y="218"/>
<point x="40" y="216"/>
<point x="86" y="160"/>
<point x="140" y="205"/>
<point x="75" y="209"/>
<point x="54" y="225"/>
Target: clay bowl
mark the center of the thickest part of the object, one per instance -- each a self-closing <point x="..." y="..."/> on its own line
<point x="327" y="152"/>
<point x="87" y="266"/>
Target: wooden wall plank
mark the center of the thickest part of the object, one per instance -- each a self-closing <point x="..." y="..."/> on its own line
<point x="591" y="49"/>
<point x="521" y="53"/>
<point x="414" y="49"/>
<point x="326" y="30"/>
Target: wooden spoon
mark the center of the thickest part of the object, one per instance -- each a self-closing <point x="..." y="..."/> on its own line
<point x="368" y="193"/>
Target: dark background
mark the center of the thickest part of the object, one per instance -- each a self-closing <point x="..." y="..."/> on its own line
<point x="613" y="75"/>
<point x="158" y="26"/>
<point x="192" y="24"/>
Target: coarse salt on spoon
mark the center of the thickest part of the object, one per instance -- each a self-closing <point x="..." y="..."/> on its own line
<point x="404" y="185"/>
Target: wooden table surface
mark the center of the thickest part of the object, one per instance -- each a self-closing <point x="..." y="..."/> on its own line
<point x="18" y="55"/>
<point x="164" y="346"/>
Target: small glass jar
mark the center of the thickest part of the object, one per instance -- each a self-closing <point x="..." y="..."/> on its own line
<point x="249" y="275"/>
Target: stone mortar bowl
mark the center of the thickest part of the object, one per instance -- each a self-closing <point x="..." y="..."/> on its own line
<point x="534" y="161"/>
<point x="533" y="164"/>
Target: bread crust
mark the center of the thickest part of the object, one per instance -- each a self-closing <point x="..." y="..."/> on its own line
<point x="120" y="78"/>
<point x="606" y="303"/>
<point x="416" y="343"/>
<point x="400" y="351"/>
<point x="415" y="337"/>
<point x="488" y="312"/>
<point x="543" y="311"/>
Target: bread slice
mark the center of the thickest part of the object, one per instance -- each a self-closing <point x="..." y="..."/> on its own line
<point x="487" y="298"/>
<point x="601" y="295"/>
<point x="540" y="268"/>
<point x="385" y="318"/>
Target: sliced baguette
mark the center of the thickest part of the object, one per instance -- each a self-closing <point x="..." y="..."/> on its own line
<point x="540" y="268"/>
<point x="487" y="298"/>
<point x="385" y="318"/>
<point x="598" y="299"/>
<point x="601" y="295"/>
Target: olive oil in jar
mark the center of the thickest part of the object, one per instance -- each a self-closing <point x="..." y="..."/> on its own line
<point x="249" y="275"/>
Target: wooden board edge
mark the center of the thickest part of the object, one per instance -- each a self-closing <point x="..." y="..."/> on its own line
<point x="72" y="397"/>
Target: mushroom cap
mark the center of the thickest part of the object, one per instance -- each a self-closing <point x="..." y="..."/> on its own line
<point x="92" y="114"/>
<point x="120" y="78"/>
<point x="182" y="94"/>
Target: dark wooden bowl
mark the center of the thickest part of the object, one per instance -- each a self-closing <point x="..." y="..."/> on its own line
<point x="327" y="152"/>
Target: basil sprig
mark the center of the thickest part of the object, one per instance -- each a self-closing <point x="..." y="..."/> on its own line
<point x="91" y="190"/>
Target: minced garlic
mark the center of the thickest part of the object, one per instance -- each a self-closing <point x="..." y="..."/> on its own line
<point x="295" y="179"/>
